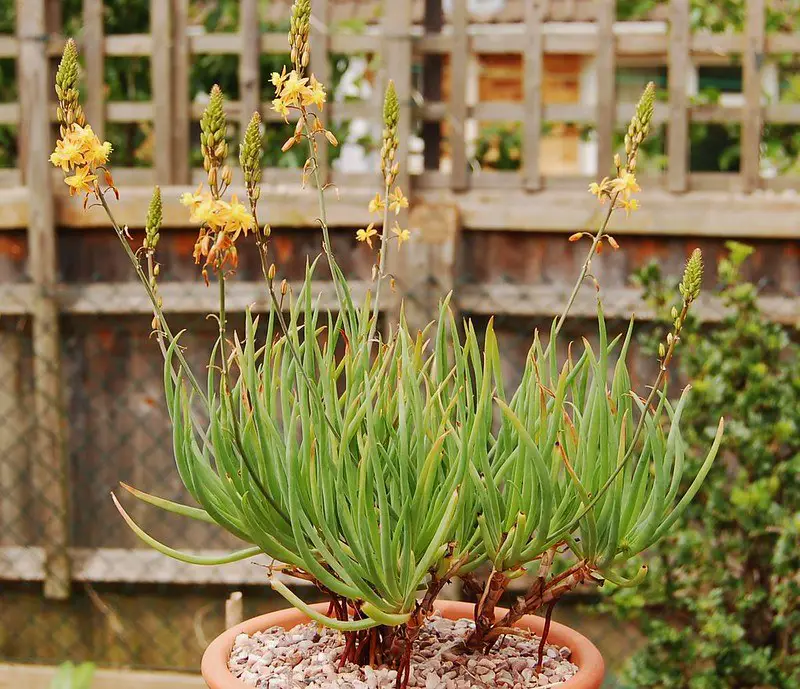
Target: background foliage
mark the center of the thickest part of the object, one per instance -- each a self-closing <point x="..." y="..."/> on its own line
<point x="720" y="610"/>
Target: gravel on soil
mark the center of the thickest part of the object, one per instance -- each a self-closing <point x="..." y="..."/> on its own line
<point x="307" y="656"/>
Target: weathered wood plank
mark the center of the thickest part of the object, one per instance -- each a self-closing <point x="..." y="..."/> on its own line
<point x="606" y="90"/>
<point x="546" y="300"/>
<point x="181" y="107"/>
<point x="459" y="61"/>
<point x="93" y="49"/>
<point x="532" y="85"/>
<point x="161" y="79"/>
<point x="679" y="65"/>
<point x="752" y="119"/>
<point x="135" y="566"/>
<point x="50" y="468"/>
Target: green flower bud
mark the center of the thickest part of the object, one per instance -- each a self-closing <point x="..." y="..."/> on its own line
<point x="391" y="116"/>
<point x="214" y="128"/>
<point x="692" y="277"/>
<point x="154" y="218"/>
<point x="299" y="30"/>
<point x="250" y="151"/>
<point x="640" y="125"/>
<point x="69" y="110"/>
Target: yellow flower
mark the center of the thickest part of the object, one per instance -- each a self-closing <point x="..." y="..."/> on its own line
<point x="97" y="153"/>
<point x="80" y="181"/>
<point x="626" y="185"/>
<point x="402" y="235"/>
<point x="397" y="201"/>
<point x="366" y="235"/>
<point x="376" y="205"/>
<point x="67" y="154"/>
<point x="294" y="89"/>
<point x="316" y="93"/>
<point x="630" y="205"/>
<point x="236" y="217"/>
<point x="278" y="79"/>
<point x="206" y="212"/>
<point x="280" y="107"/>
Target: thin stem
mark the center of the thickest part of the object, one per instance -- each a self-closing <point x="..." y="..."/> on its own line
<point x="222" y="326"/>
<point x="381" y="262"/>
<point x="585" y="268"/>
<point x="150" y="292"/>
<point x="151" y="274"/>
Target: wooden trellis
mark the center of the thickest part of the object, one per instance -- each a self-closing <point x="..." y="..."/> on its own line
<point x="451" y="197"/>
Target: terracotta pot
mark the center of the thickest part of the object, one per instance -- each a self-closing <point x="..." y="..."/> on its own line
<point x="584" y="654"/>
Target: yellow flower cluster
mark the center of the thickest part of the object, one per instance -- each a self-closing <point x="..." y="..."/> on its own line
<point x="294" y="90"/>
<point x="221" y="224"/>
<point x="377" y="205"/>
<point x="80" y="152"/>
<point x="620" y="188"/>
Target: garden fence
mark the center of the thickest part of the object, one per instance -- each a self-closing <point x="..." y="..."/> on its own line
<point x="80" y="382"/>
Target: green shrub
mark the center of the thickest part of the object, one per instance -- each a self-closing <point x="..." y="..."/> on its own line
<point x="722" y="611"/>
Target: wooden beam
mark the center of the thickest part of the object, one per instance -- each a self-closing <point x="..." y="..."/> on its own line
<point x="161" y="79"/>
<point x="532" y="89"/>
<point x="752" y="118"/>
<point x="528" y="301"/>
<point x="92" y="47"/>
<point x="679" y="66"/>
<point x="135" y="566"/>
<point x="459" y="62"/>
<point x="50" y="475"/>
<point x="41" y="677"/>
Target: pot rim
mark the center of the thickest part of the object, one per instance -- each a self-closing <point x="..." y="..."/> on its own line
<point x="214" y="666"/>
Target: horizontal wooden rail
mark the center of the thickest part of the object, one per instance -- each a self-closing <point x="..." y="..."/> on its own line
<point x="41" y="677"/>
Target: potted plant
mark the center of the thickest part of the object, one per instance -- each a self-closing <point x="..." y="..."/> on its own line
<point x="378" y="466"/>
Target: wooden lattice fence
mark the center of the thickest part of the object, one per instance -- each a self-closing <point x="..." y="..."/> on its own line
<point x="496" y="238"/>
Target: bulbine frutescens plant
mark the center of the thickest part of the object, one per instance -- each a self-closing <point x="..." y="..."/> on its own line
<point x="375" y="464"/>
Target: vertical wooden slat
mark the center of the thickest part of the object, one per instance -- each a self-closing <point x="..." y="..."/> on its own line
<point x="532" y="84"/>
<point x="161" y="83"/>
<point x="320" y="67"/>
<point x="49" y="471"/>
<point x="679" y="66"/>
<point x="606" y="85"/>
<point x="752" y="116"/>
<point x="93" y="50"/>
<point x="249" y="70"/>
<point x="459" y="60"/>
<point x="432" y="71"/>
<point x="181" y="113"/>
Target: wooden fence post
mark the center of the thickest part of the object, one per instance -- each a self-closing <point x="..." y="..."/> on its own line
<point x="49" y="469"/>
<point x="532" y="85"/>
<point x="432" y="72"/>
<point x="459" y="61"/>
<point x="93" y="49"/>
<point x="181" y="105"/>
<point x="161" y="81"/>
<point x="249" y="63"/>
<point x="752" y="115"/>
<point x="679" y="65"/>
<point x="606" y="86"/>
